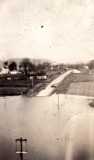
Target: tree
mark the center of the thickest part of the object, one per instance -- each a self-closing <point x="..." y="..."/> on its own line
<point x="5" y="64"/>
<point x="44" y="67"/>
<point x="91" y="64"/>
<point x="12" y="66"/>
<point x="26" y="66"/>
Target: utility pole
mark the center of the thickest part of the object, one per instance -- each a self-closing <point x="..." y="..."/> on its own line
<point x="21" y="141"/>
<point x="32" y="81"/>
<point x="58" y="101"/>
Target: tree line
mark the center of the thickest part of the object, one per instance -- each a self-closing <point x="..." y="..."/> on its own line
<point x="27" y="67"/>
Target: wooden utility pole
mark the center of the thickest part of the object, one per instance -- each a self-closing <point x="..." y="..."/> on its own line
<point x="58" y="101"/>
<point x="21" y="151"/>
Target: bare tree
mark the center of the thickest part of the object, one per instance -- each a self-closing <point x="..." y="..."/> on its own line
<point x="26" y="66"/>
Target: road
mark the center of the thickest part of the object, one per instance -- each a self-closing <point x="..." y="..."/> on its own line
<point x="49" y="89"/>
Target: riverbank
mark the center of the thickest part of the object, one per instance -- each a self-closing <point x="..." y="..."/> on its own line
<point x="12" y="91"/>
<point x="14" y="87"/>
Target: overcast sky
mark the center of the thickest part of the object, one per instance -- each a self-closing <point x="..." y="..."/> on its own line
<point x="61" y="30"/>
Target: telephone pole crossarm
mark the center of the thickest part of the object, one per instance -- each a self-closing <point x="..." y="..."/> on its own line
<point x="21" y="150"/>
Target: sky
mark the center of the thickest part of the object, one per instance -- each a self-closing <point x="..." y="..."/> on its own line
<point x="59" y="30"/>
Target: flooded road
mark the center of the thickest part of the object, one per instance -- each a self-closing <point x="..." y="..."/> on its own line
<point x="52" y="132"/>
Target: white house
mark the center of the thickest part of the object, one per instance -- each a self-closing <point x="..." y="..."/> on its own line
<point x="4" y="71"/>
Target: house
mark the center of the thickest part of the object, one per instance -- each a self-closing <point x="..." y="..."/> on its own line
<point x="4" y="71"/>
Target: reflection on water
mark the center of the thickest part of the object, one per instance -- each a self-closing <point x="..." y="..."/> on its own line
<point x="52" y="134"/>
<point x="81" y="155"/>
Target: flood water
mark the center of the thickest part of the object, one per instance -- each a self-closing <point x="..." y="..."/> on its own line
<point x="50" y="129"/>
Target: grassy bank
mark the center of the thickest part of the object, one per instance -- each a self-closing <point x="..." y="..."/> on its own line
<point x="10" y="91"/>
<point x="14" y="87"/>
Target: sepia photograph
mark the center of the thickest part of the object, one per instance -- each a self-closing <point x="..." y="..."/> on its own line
<point x="46" y="80"/>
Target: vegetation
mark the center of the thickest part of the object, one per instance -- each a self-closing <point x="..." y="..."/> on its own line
<point x="91" y="64"/>
<point x="12" y="66"/>
<point x="41" y="69"/>
<point x="5" y="64"/>
<point x="27" y="67"/>
<point x="32" y="75"/>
